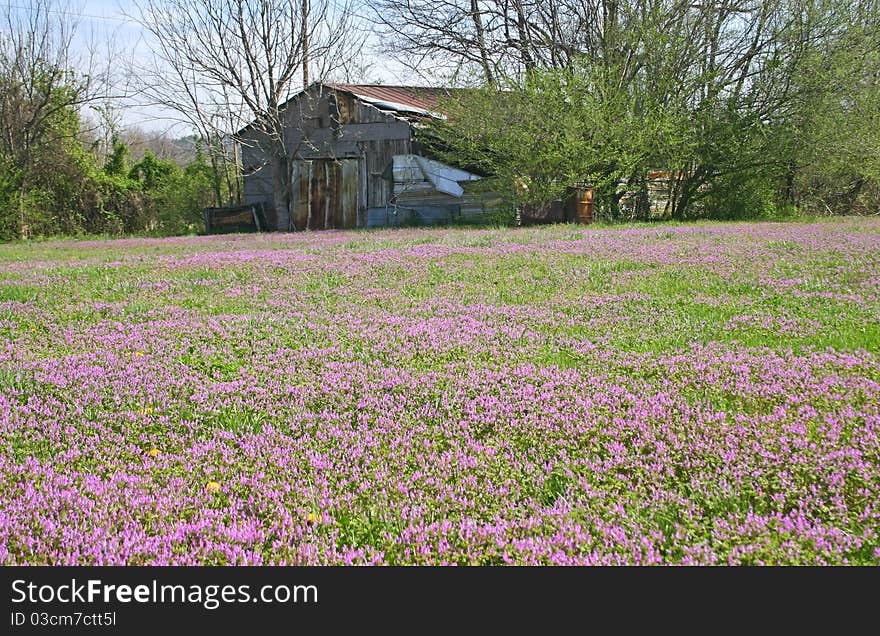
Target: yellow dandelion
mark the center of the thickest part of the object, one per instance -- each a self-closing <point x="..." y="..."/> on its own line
<point x="154" y="452"/>
<point x="213" y="486"/>
<point x="138" y="353"/>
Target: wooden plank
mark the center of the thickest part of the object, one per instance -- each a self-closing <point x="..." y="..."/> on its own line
<point x="333" y="210"/>
<point x="376" y="131"/>
<point x="363" y="193"/>
<point x="329" y="149"/>
<point x="324" y="142"/>
<point x="302" y="171"/>
<point x="317" y="195"/>
<point x="348" y="200"/>
<point x="326" y="193"/>
<point x="235" y="218"/>
<point x="379" y="155"/>
<point x="331" y="183"/>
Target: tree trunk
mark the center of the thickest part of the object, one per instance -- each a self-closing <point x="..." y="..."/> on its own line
<point x="216" y="179"/>
<point x="305" y="43"/>
<point x="23" y="229"/>
<point x="233" y="176"/>
<point x="790" y="174"/>
<point x="281" y="193"/>
<point x="523" y="35"/>
<point x="477" y="17"/>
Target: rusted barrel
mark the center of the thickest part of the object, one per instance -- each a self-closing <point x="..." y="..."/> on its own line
<point x="581" y="204"/>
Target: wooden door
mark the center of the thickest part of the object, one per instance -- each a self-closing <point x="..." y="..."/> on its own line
<point x="325" y="194"/>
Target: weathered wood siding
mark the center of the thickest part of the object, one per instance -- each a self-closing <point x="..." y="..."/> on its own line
<point x="326" y="128"/>
<point x="325" y="194"/>
<point x="258" y="182"/>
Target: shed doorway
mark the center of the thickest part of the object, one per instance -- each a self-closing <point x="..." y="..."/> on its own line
<point x="325" y="194"/>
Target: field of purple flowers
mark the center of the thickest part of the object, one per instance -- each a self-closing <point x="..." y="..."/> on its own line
<point x="705" y="394"/>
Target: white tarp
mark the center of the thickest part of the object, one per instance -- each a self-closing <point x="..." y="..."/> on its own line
<point x="446" y="179"/>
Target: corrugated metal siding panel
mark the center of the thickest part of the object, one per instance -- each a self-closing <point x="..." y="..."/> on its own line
<point x="423" y="98"/>
<point x="421" y="205"/>
<point x="422" y="215"/>
<point x="425" y="197"/>
<point x="474" y="204"/>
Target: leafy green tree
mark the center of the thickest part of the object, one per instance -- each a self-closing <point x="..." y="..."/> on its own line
<point x="835" y="160"/>
<point x="151" y="173"/>
<point x="118" y="159"/>
<point x="741" y="104"/>
<point x="183" y="197"/>
<point x="562" y="126"/>
<point x="41" y="94"/>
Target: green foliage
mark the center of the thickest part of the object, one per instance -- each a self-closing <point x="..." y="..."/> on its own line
<point x="151" y="173"/>
<point x="9" y="180"/>
<point x="793" y="123"/>
<point x="68" y="192"/>
<point x="52" y="182"/>
<point x="559" y="127"/>
<point x="117" y="162"/>
<point x="837" y="154"/>
<point x="183" y="197"/>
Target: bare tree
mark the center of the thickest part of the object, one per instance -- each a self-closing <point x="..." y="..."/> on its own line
<point x="500" y="39"/>
<point x="507" y="38"/>
<point x="443" y="35"/>
<point x="231" y="64"/>
<point x="169" y="81"/>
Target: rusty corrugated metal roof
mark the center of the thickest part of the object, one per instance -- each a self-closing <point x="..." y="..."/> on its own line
<point x="408" y="101"/>
<point x="415" y="99"/>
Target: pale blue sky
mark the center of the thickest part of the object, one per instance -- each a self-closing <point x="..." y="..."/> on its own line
<point x="103" y="21"/>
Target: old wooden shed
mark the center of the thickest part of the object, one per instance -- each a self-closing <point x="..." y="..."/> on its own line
<point x="353" y="160"/>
